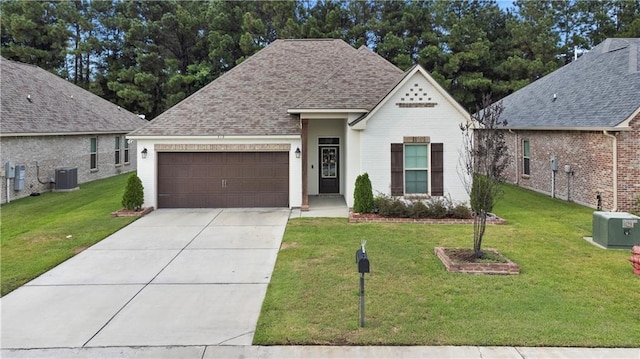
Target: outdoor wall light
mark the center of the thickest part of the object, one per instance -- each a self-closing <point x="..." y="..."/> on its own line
<point x="144" y="153"/>
<point x="298" y="152"/>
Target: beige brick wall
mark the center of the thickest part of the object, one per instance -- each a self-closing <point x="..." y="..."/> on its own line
<point x="53" y="152"/>
<point x="629" y="167"/>
<point x="590" y="155"/>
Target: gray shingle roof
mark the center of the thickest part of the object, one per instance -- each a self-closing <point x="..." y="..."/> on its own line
<point x="600" y="89"/>
<point x="253" y="98"/>
<point x="55" y="106"/>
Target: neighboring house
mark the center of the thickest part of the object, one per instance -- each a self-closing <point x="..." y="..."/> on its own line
<point x="49" y="127"/>
<point x="586" y="117"/>
<point x="304" y="118"/>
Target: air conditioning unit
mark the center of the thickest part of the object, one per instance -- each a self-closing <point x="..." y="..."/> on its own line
<point x="616" y="229"/>
<point x="66" y="179"/>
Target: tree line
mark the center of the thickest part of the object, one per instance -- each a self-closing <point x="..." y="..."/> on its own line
<point x="148" y="55"/>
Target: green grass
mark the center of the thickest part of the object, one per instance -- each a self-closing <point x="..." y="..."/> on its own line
<point x="569" y="292"/>
<point x="38" y="233"/>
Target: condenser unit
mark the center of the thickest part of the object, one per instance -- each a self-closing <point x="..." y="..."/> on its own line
<point x="66" y="178"/>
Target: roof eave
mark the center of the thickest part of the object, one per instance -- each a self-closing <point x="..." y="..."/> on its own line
<point x="326" y="114"/>
<point x="210" y="137"/>
<point x="296" y="111"/>
<point x="586" y="129"/>
<point x="84" y="133"/>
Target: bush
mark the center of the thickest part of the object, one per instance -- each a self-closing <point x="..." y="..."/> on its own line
<point x="437" y="208"/>
<point x="133" y="197"/>
<point x="363" y="195"/>
<point x="417" y="209"/>
<point x="390" y="207"/>
<point x="460" y="211"/>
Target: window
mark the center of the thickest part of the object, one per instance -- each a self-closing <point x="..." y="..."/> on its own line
<point x="526" y="167"/>
<point x="117" y="152"/>
<point x="416" y="162"/>
<point x="93" y="152"/>
<point x="126" y="151"/>
<point x="413" y="166"/>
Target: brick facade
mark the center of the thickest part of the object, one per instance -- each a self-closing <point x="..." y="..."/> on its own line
<point x="590" y="156"/>
<point x="629" y="167"/>
<point x="53" y="152"/>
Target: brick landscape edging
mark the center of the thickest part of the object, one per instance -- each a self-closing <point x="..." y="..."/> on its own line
<point x="477" y="268"/>
<point x="126" y="213"/>
<point x="357" y="218"/>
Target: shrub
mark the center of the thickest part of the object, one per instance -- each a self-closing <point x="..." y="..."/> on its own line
<point x="133" y="197"/>
<point x="390" y="206"/>
<point x="363" y="195"/>
<point x="437" y="208"/>
<point x="460" y="211"/>
<point x="417" y="209"/>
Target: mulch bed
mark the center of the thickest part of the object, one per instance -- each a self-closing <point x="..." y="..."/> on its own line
<point x="376" y="218"/>
<point x="462" y="260"/>
<point x="129" y="213"/>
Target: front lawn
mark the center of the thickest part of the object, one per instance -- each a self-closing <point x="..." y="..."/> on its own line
<point x="569" y="292"/>
<point x="39" y="233"/>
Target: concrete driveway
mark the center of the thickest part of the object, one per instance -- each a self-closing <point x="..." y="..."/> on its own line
<point x="179" y="277"/>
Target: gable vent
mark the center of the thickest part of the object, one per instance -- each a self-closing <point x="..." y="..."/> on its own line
<point x="416" y="97"/>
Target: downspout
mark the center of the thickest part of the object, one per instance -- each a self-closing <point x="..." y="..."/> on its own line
<point x="615" y="170"/>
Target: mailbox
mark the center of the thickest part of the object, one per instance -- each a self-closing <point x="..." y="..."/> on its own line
<point x="362" y="261"/>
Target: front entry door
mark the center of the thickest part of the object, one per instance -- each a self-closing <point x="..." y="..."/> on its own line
<point x="329" y="174"/>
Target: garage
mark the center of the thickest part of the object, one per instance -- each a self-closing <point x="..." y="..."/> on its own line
<point x="223" y="179"/>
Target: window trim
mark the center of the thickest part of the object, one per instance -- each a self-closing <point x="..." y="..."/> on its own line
<point x="93" y="153"/>
<point x="406" y="169"/>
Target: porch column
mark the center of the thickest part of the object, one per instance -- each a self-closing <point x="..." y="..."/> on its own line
<point x="305" y="189"/>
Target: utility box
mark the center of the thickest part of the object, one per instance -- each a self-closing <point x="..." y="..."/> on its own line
<point x="18" y="181"/>
<point x="616" y="229"/>
<point x="9" y="170"/>
<point x="66" y="179"/>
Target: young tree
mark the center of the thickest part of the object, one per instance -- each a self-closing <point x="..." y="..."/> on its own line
<point x="483" y="160"/>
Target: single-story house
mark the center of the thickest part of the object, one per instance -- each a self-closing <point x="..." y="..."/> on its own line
<point x="55" y="135"/>
<point x="575" y="133"/>
<point x="304" y="118"/>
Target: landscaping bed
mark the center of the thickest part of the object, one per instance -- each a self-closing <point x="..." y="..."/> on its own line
<point x="132" y="213"/>
<point x="463" y="260"/>
<point x="377" y="218"/>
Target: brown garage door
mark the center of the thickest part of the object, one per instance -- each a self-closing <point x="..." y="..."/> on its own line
<point x="223" y="179"/>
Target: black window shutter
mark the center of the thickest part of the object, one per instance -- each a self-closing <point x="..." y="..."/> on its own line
<point x="437" y="169"/>
<point x="397" y="167"/>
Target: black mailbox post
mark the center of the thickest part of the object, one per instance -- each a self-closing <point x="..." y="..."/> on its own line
<point x="363" y="267"/>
